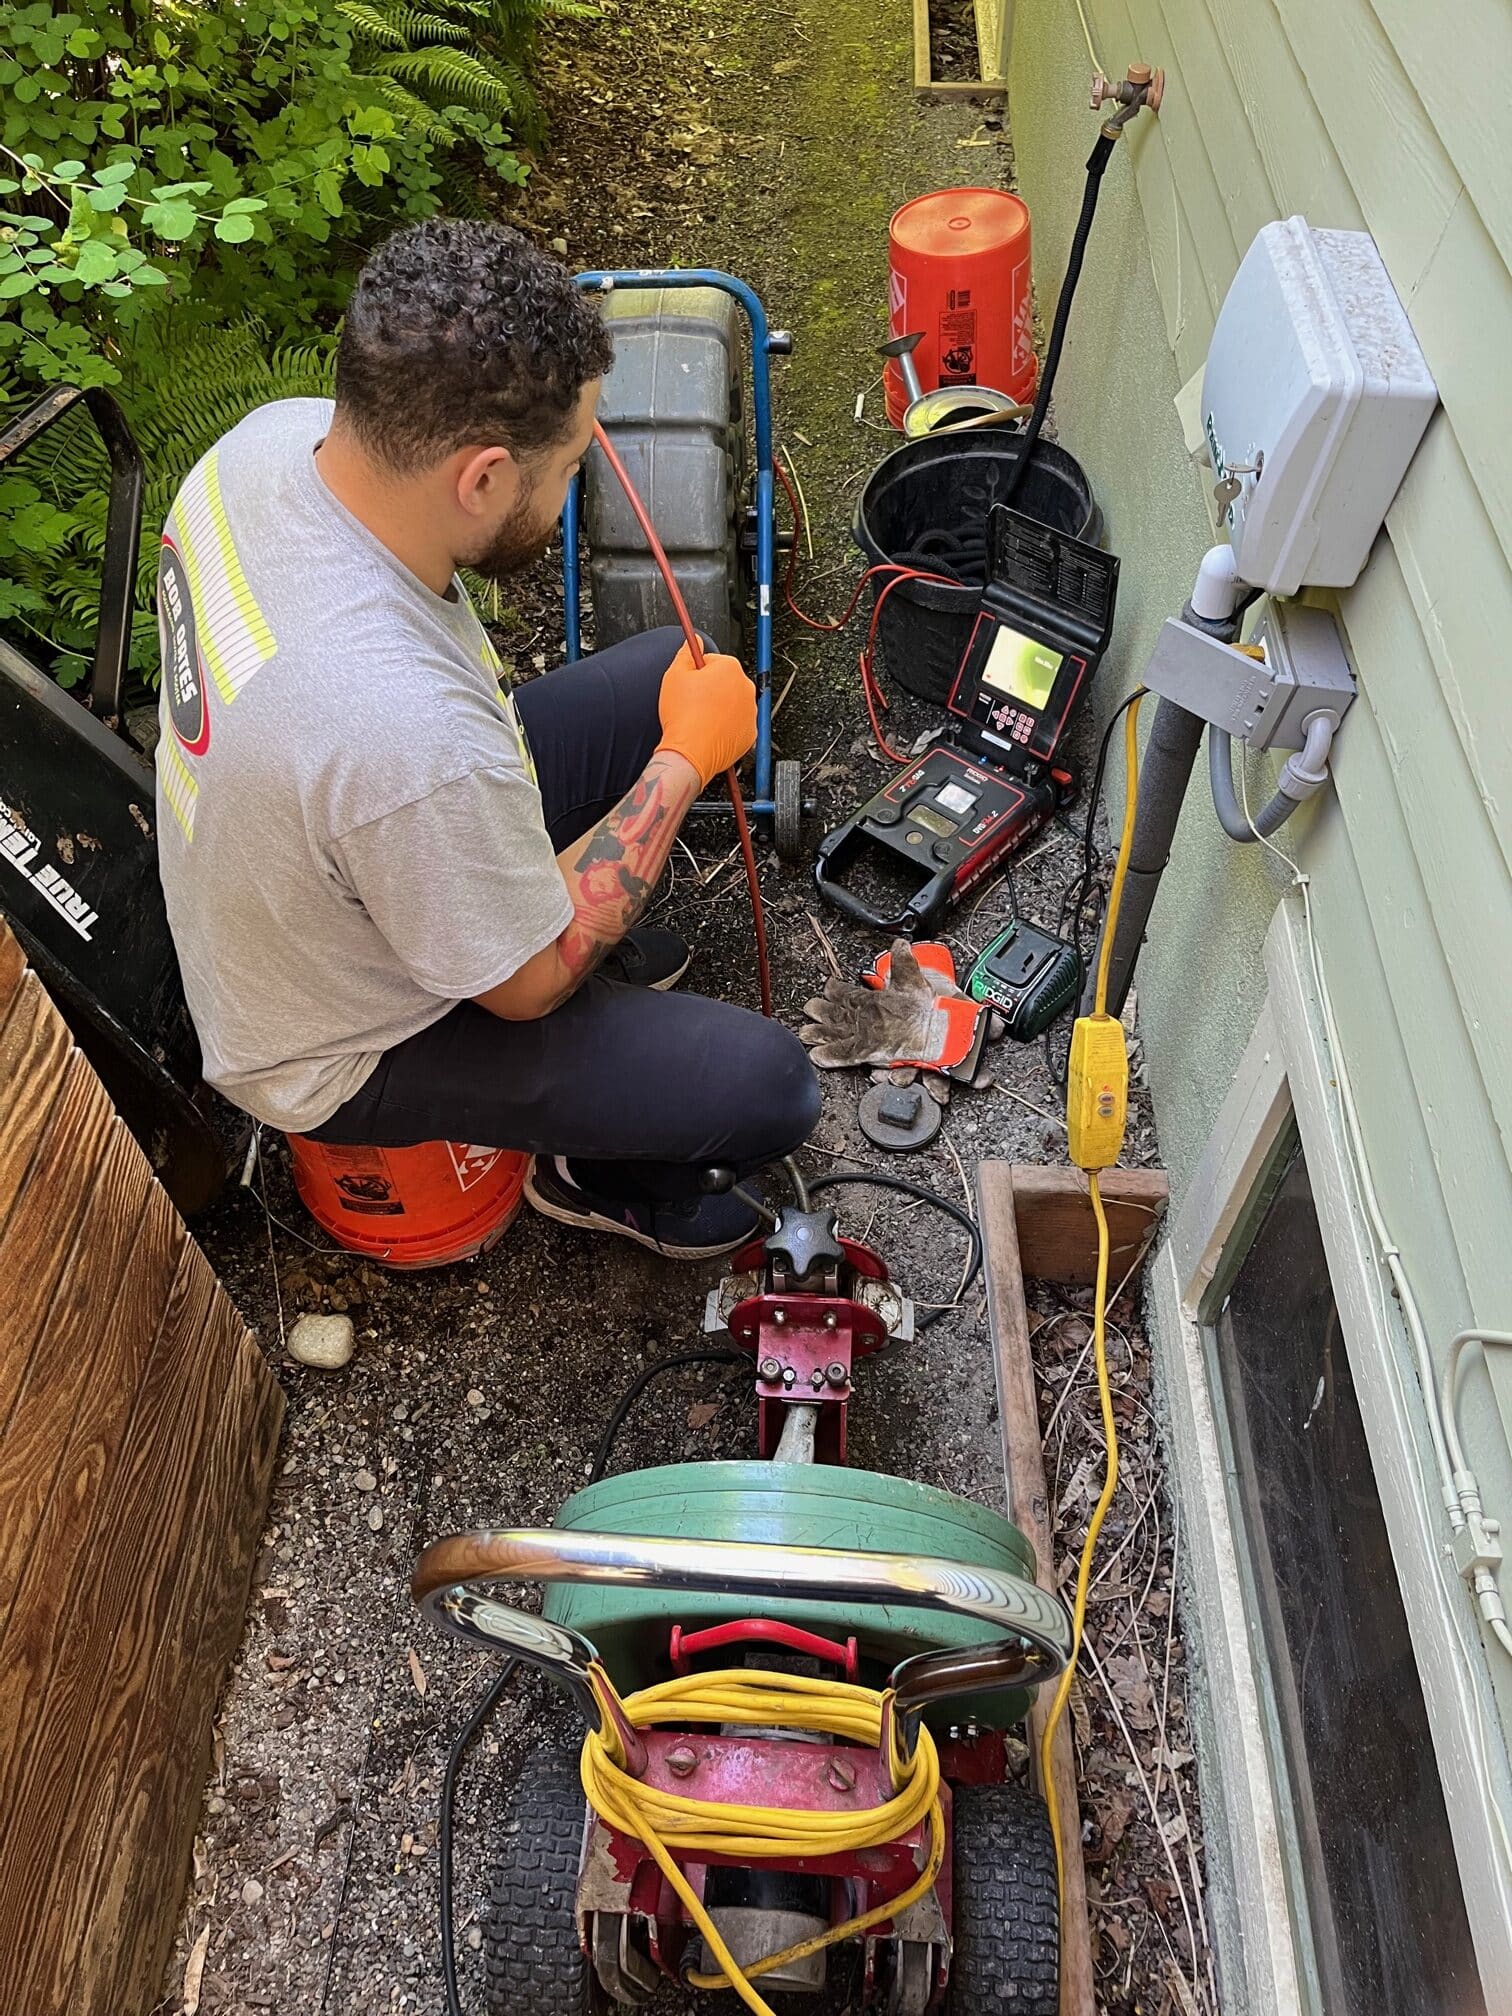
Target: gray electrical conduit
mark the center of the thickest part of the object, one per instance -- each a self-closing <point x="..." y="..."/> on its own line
<point x="1301" y="775"/>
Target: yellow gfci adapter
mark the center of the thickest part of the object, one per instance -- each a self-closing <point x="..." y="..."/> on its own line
<point x="1097" y="1091"/>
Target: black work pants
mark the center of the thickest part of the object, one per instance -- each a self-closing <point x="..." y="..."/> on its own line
<point x="641" y="1090"/>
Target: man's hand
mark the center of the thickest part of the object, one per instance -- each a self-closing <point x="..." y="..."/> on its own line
<point x="609" y="874"/>
<point x="708" y="712"/>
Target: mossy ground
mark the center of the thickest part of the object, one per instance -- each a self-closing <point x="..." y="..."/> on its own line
<point x="773" y="138"/>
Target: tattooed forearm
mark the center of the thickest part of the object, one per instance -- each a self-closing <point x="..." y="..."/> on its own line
<point x="612" y="872"/>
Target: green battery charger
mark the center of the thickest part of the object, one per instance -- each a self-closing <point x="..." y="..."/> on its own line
<point x="1028" y="977"/>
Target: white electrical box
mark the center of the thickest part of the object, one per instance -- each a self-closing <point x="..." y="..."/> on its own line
<point x="1314" y="400"/>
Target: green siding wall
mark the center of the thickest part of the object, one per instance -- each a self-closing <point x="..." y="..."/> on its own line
<point x="1365" y="114"/>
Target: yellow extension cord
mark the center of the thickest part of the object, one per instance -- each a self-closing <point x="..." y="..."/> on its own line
<point x="765" y="1700"/>
<point x="1099" y="1316"/>
<point x="759" y="1833"/>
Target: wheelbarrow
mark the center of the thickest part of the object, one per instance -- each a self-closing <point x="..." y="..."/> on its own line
<point x="796" y="1679"/>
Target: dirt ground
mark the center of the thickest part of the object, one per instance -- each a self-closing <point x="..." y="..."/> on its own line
<point x="772" y="139"/>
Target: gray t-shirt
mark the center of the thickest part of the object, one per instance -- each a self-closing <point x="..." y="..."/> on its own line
<point x="349" y="832"/>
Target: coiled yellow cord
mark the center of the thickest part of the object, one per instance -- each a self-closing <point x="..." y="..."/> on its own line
<point x="764" y="1700"/>
<point x="1099" y="1320"/>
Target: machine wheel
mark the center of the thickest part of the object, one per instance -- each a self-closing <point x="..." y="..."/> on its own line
<point x="535" y="1965"/>
<point x="787" y="818"/>
<point x="1006" y="1908"/>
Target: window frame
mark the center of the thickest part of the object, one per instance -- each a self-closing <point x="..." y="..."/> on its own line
<point x="1260" y="1918"/>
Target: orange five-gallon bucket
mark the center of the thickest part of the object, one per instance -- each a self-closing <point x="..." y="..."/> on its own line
<point x="959" y="261"/>
<point x="410" y="1207"/>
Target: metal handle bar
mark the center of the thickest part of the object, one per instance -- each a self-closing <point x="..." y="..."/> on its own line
<point x="1032" y="1632"/>
<point x="123" y="527"/>
<point x="902" y="922"/>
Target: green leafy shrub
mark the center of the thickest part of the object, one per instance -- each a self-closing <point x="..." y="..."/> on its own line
<point x="186" y="190"/>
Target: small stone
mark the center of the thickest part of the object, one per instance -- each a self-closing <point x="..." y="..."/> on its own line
<point x="902" y="1074"/>
<point x="474" y="1397"/>
<point x="475" y="1936"/>
<point x="559" y="245"/>
<point x="997" y="1026"/>
<point x="364" y="1480"/>
<point x="252" y="1891"/>
<point x="937" y="1086"/>
<point x="322" y="1341"/>
<point x="375" y="1517"/>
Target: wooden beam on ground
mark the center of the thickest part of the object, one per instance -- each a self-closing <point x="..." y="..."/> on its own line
<point x="1029" y="1509"/>
<point x="921" y="45"/>
<point x="1057" y="1232"/>
<point x="138" y="1422"/>
<point x="1038" y="1222"/>
<point x="931" y="88"/>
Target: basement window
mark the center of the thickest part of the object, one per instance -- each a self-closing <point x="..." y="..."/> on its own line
<point x="1373" y="1874"/>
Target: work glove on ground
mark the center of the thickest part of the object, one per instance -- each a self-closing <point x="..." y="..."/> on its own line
<point x="708" y="712"/>
<point x="904" y="1012"/>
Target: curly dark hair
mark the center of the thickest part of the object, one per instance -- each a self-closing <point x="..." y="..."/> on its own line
<point x="459" y="333"/>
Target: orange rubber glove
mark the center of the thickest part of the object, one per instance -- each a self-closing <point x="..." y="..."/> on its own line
<point x="708" y="712"/>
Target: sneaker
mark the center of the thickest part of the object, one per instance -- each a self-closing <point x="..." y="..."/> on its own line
<point x="699" y="1228"/>
<point x="648" y="957"/>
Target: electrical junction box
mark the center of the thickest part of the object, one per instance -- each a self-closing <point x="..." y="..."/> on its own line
<point x="1314" y="400"/>
<point x="1267" y="701"/>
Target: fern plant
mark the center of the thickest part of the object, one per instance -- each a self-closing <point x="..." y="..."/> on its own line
<point x="180" y="396"/>
<point x="451" y="55"/>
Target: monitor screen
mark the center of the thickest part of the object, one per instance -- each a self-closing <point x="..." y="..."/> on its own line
<point x="1018" y="666"/>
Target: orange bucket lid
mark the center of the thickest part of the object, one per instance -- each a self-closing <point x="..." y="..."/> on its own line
<point x="960" y="223"/>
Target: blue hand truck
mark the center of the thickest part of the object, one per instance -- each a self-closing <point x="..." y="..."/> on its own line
<point x="775" y="805"/>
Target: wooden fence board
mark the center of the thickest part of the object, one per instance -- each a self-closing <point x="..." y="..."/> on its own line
<point x="31" y="1639"/>
<point x="164" y="1762"/>
<point x="12" y="966"/>
<point x="167" y="1772"/>
<point x="43" y="1219"/>
<point x="137" y="1428"/>
<point x="34" y="1049"/>
<point x="63" y="1365"/>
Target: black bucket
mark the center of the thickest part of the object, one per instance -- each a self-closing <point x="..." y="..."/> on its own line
<point x="927" y="505"/>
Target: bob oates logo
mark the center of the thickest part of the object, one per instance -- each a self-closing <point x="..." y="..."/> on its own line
<point x="182" y="671"/>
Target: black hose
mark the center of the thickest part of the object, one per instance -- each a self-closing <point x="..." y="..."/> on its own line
<point x="1097" y="161"/>
<point x="1079" y="888"/>
<point x="834" y="1178"/>
<point x="466" y="1737"/>
<point x="712" y="1356"/>
<point x="1165" y="772"/>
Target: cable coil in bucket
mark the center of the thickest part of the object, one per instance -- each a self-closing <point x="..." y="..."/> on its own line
<point x="926" y="506"/>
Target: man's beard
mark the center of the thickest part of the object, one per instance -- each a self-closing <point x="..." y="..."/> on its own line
<point x="519" y="543"/>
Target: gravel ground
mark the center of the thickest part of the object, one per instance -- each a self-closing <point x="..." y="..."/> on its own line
<point x="772" y="139"/>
